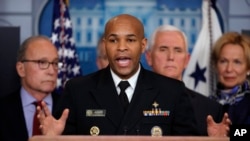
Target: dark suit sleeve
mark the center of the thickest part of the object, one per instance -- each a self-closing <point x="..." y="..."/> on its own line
<point x="203" y="106"/>
<point x="185" y="123"/>
<point x="66" y="101"/>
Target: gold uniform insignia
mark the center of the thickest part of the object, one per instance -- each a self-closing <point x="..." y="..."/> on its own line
<point x="156" y="131"/>
<point x="94" y="131"/>
<point x="156" y="111"/>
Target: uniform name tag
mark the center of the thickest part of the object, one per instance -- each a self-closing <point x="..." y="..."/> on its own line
<point x="95" y="113"/>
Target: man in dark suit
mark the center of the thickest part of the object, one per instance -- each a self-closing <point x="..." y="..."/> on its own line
<point x="157" y="104"/>
<point x="37" y="66"/>
<point x="168" y="55"/>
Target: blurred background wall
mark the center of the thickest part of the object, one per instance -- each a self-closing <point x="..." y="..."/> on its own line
<point x="34" y="17"/>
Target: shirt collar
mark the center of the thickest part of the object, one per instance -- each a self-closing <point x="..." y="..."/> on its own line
<point x="132" y="80"/>
<point x="28" y="99"/>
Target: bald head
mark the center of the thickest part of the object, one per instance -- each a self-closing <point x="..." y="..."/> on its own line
<point x="124" y="43"/>
<point x="124" y="19"/>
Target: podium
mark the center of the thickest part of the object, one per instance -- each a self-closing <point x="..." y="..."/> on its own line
<point x="126" y="138"/>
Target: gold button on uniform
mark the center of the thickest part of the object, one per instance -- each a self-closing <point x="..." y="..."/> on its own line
<point x="94" y="131"/>
<point x="156" y="131"/>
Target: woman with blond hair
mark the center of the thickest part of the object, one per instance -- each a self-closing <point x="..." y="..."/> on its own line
<point x="231" y="58"/>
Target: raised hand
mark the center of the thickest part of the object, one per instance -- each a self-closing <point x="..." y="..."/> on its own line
<point x="48" y="124"/>
<point x="218" y="129"/>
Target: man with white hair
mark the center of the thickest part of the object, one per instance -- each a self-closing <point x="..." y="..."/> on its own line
<point x="168" y="55"/>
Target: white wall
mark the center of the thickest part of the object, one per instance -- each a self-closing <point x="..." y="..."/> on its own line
<point x="17" y="13"/>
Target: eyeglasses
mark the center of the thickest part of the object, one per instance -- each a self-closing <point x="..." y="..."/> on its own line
<point x="44" y="64"/>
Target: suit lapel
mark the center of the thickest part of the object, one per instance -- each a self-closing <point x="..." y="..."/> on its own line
<point x="18" y="122"/>
<point x="106" y="95"/>
<point x="143" y="99"/>
<point x="55" y="98"/>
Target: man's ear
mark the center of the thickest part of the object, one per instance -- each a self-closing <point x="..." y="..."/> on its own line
<point x="20" y="69"/>
<point x="187" y="59"/>
<point x="148" y="57"/>
<point x="144" y="44"/>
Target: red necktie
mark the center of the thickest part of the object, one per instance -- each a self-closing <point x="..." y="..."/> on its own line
<point x="36" y="123"/>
